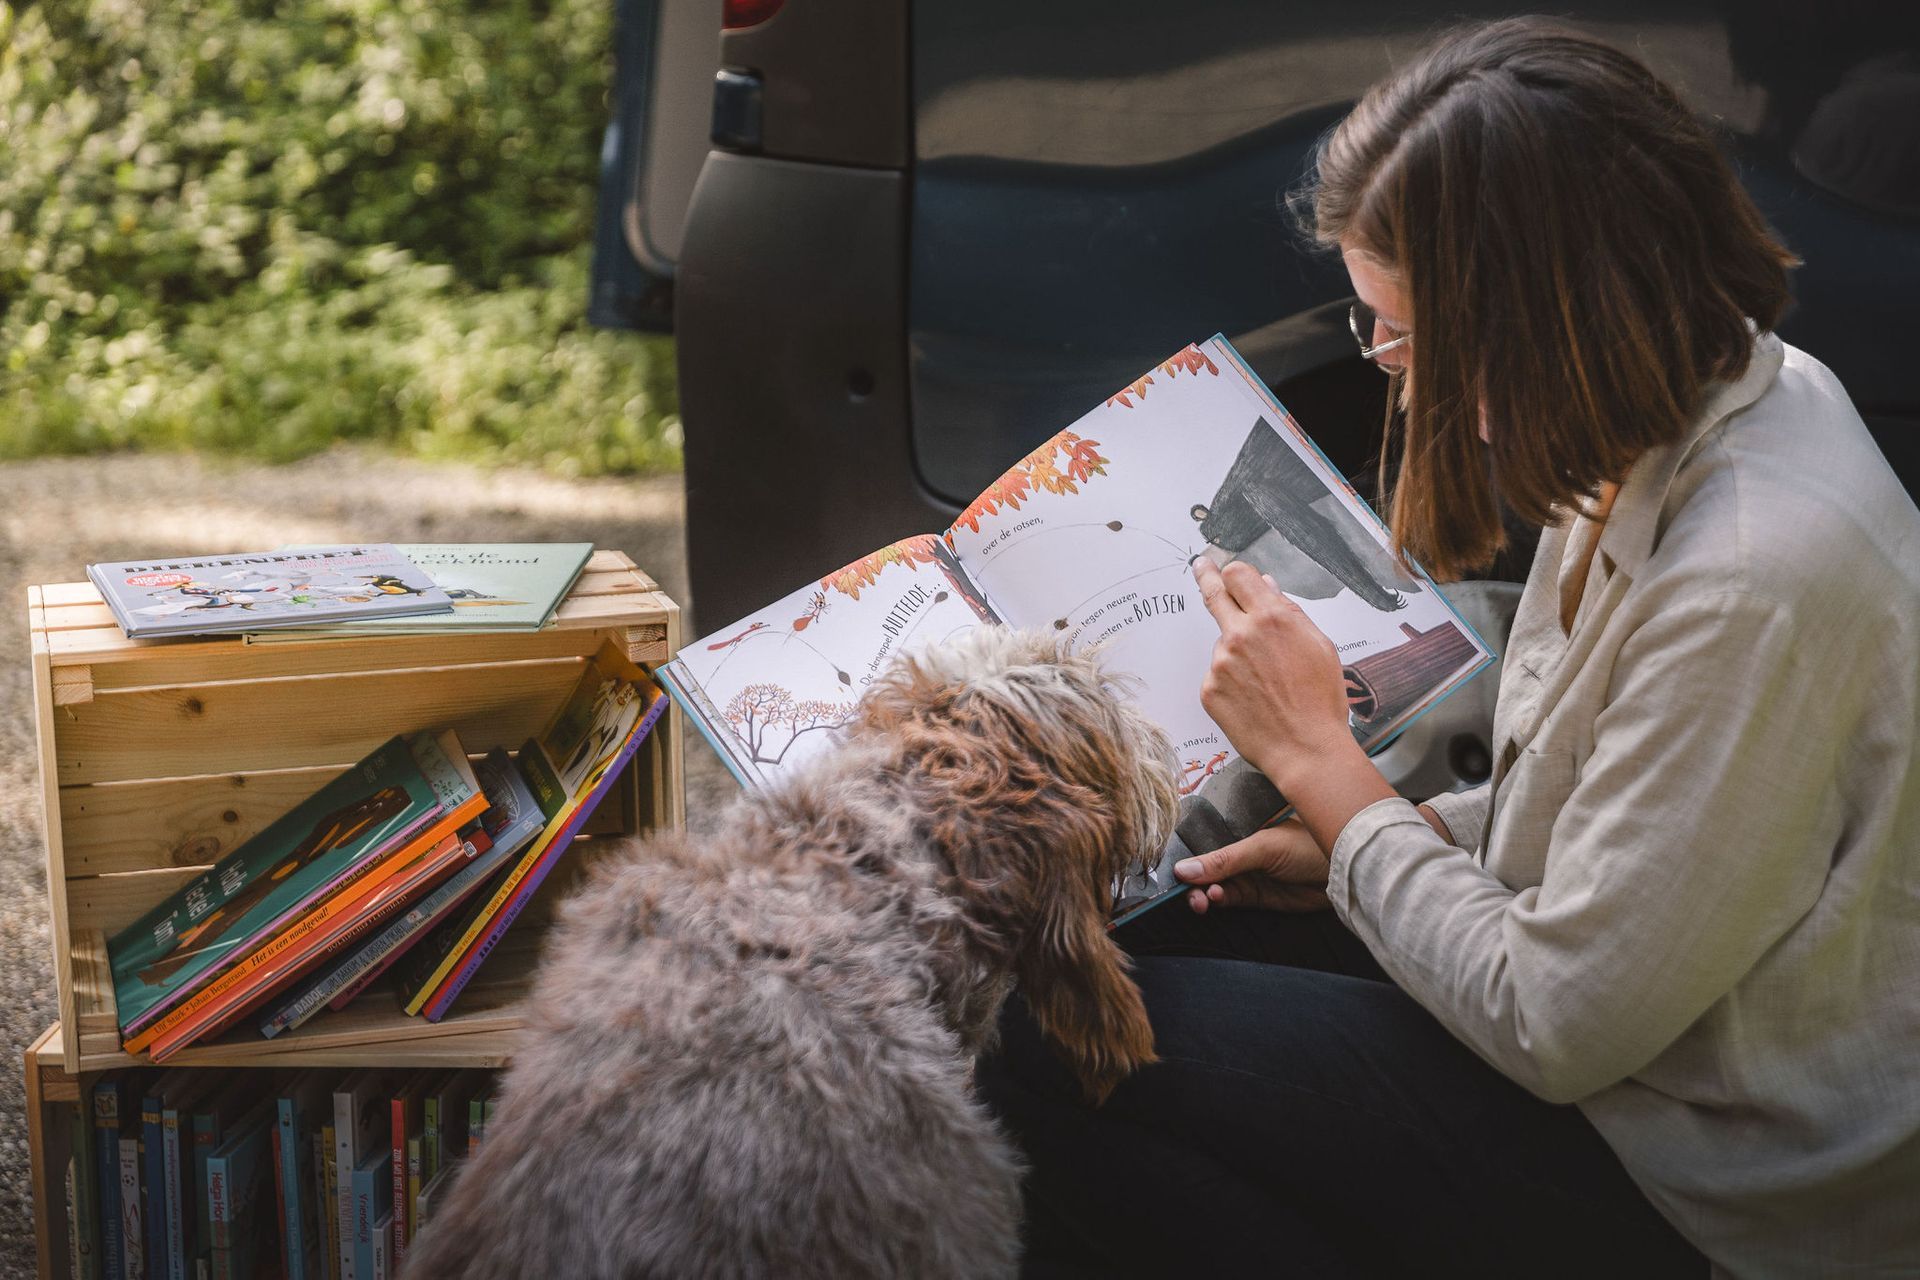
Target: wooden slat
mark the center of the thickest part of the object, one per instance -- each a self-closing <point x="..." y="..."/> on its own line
<point x="47" y="738"/>
<point x="177" y="822"/>
<point x="311" y="721"/>
<point x="111" y="903"/>
<point x="43" y="1158"/>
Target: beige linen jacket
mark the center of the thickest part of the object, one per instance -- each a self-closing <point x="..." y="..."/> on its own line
<point x="1689" y="898"/>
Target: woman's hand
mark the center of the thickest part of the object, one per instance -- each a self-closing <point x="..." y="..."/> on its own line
<point x="1280" y="868"/>
<point x="1274" y="687"/>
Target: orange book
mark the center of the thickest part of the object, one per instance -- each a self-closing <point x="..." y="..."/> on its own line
<point x="280" y="956"/>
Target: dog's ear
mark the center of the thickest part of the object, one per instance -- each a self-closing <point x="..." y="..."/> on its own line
<point x="1074" y="977"/>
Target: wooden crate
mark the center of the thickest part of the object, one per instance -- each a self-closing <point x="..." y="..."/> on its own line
<point x="158" y="757"/>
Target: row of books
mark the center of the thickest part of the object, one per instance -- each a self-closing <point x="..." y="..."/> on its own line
<point x="379" y="589"/>
<point x="211" y="1174"/>
<point x="415" y="860"/>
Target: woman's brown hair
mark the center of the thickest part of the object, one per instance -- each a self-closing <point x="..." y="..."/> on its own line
<point x="1581" y="263"/>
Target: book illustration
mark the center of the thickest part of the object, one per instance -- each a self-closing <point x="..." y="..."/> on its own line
<point x="1038" y="472"/>
<point x="769" y="719"/>
<point x="776" y="684"/>
<point x="215" y="918"/>
<point x="1272" y="511"/>
<point x="356" y="820"/>
<point x="1093" y="536"/>
<point x="490" y="586"/>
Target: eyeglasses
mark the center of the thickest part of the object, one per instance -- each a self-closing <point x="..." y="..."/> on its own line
<point x="1362" y="320"/>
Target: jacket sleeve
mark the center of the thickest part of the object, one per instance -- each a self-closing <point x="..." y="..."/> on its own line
<point x="1698" y="831"/>
<point x="1464" y="812"/>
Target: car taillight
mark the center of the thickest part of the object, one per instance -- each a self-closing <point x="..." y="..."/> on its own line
<point x="735" y="14"/>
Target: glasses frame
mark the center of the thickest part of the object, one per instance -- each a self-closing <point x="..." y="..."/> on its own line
<point x="1368" y="352"/>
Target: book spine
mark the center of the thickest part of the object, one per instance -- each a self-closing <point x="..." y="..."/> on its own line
<point x="84" y="1222"/>
<point x="132" y="1237"/>
<point x="366" y="1194"/>
<point x="374" y="901"/>
<point x="372" y="958"/>
<point x="280" y="1198"/>
<point x="286" y="1166"/>
<point x="516" y="896"/>
<point x="416" y="1175"/>
<point x="476" y="1124"/>
<point x="153" y="1189"/>
<point x="70" y="1187"/>
<point x="323" y="1192"/>
<point x="347" y="875"/>
<point x="106" y="1154"/>
<point x="430" y="1137"/>
<point x="398" y="1171"/>
<point x="176" y="1196"/>
<point x="341" y="1176"/>
<point x="219" y="1193"/>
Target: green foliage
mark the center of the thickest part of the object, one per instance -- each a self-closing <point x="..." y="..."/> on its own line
<point x="262" y="226"/>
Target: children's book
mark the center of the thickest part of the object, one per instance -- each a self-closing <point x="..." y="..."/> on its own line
<point x="512" y="818"/>
<point x="494" y="586"/>
<point x="361" y="1118"/>
<point x="570" y="768"/>
<point x="298" y="1113"/>
<point x="253" y="591"/>
<point x="287" y="908"/>
<point x="111" y="1096"/>
<point x="1092" y="537"/>
<point x="164" y="957"/>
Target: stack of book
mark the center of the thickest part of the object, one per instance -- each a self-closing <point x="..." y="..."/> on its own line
<point x="318" y="1174"/>
<point x="373" y="589"/>
<point x="415" y="849"/>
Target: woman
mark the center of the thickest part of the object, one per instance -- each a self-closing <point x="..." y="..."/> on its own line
<point x="1648" y="1002"/>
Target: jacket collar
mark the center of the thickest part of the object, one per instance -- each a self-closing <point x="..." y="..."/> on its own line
<point x="1634" y="522"/>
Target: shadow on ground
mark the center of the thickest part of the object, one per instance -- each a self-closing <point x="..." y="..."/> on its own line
<point x="58" y="515"/>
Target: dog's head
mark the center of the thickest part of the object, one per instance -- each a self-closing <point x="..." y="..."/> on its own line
<point x="1041" y="788"/>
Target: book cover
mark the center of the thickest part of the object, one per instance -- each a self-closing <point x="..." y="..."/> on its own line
<point x="1092" y="536"/>
<point x="165" y="955"/>
<point x="527" y="875"/>
<point x="511" y="818"/>
<point x="430" y="1194"/>
<point x="611" y="698"/>
<point x="383" y="1257"/>
<point x="247" y="591"/>
<point x="371" y="892"/>
<point x="494" y="586"/>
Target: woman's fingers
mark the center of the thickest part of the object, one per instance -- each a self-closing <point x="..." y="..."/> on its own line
<point x="1285" y="853"/>
<point x="1213" y="591"/>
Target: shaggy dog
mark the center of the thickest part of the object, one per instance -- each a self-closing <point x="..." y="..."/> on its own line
<point x="752" y="1052"/>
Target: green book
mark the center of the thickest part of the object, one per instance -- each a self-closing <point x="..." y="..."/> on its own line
<point x="216" y="919"/>
<point x="494" y="586"/>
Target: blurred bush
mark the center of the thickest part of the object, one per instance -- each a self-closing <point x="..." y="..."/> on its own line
<point x="260" y="226"/>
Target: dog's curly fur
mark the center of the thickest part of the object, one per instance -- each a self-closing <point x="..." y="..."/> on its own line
<point x="752" y="1051"/>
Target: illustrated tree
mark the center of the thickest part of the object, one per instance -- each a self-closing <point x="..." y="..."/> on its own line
<point x="764" y="713"/>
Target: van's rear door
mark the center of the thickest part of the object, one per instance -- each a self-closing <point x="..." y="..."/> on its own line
<point x="665" y="56"/>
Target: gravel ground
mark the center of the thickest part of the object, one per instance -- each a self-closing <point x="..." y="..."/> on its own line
<point x="58" y="515"/>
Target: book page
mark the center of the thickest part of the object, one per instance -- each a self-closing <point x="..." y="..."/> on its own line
<point x="1093" y="535"/>
<point x="770" y="689"/>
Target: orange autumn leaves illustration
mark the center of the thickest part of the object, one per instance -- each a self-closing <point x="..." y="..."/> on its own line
<point x="1193" y="360"/>
<point x="862" y="572"/>
<point x="1061" y="465"/>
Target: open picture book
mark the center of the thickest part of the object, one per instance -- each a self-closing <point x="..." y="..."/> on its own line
<point x="1092" y="536"/>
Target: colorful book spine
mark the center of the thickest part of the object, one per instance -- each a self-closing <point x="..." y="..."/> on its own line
<point x="372" y="957"/>
<point x="153" y="1184"/>
<point x="330" y="1197"/>
<point x="272" y="960"/>
<point x="286" y="1164"/>
<point x="132" y="1209"/>
<point x="174" y="1160"/>
<point x="512" y="897"/>
<point x="370" y="1182"/>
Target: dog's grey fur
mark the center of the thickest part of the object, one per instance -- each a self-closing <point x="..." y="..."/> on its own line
<point x="752" y="1052"/>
